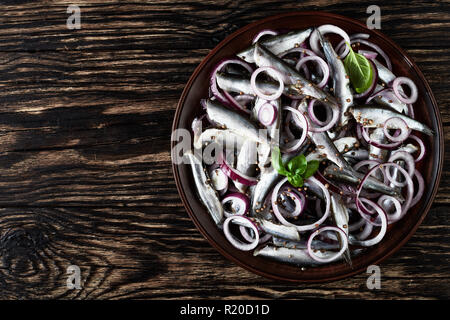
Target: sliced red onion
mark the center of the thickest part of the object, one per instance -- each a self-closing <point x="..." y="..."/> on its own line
<point x="409" y="184"/>
<point x="396" y="123"/>
<point x="301" y="121"/>
<point x="368" y="54"/>
<point x="250" y="237"/>
<point x="213" y="84"/>
<point x="236" y="242"/>
<point x="264" y="33"/>
<point x="401" y="96"/>
<point x="377" y="49"/>
<point x="267" y="114"/>
<point x="239" y="204"/>
<point x="323" y="66"/>
<point x="366" y="232"/>
<point x="381" y="233"/>
<point x="324" y="29"/>
<point x="299" y="201"/>
<point x="283" y="221"/>
<point x="219" y="179"/>
<point x="234" y="174"/>
<point x="273" y="73"/>
<point x="313" y="117"/>
<point x="421" y="185"/>
<point x="410" y="111"/>
<point x="385" y="202"/>
<point x="387" y="146"/>
<point x="329" y="125"/>
<point x="235" y="104"/>
<point x="330" y="257"/>
<point x="407" y="157"/>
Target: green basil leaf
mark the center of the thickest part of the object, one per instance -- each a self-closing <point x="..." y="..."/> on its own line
<point x="277" y="162"/>
<point x="311" y="168"/>
<point x="296" y="180"/>
<point x="359" y="70"/>
<point x="297" y="165"/>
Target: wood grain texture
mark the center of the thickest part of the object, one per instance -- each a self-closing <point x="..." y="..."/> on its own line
<point x="85" y="176"/>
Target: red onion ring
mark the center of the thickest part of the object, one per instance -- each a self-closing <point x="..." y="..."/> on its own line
<point x="213" y="84"/>
<point x="366" y="138"/>
<point x="414" y="92"/>
<point x="398" y="207"/>
<point x="381" y="233"/>
<point x="267" y="114"/>
<point x="283" y="221"/>
<point x="324" y="29"/>
<point x="264" y="33"/>
<point x="323" y="65"/>
<point x="332" y="257"/>
<point x="302" y="122"/>
<point x="329" y="125"/>
<point x="278" y="77"/>
<point x="421" y="185"/>
<point x="396" y="123"/>
<point x="409" y="160"/>
<point x="242" y="201"/>
<point x="234" y="174"/>
<point x="235" y="242"/>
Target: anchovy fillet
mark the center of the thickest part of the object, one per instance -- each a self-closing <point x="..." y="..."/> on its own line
<point x="372" y="117"/>
<point x="341" y="81"/>
<point x="208" y="195"/>
<point x="278" y="44"/>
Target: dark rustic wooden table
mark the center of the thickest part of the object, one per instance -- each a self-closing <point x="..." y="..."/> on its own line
<point x="85" y="175"/>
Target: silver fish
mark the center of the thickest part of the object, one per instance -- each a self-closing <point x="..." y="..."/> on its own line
<point x="341" y="81"/>
<point x="376" y="153"/>
<point x="225" y="138"/>
<point x="246" y="162"/>
<point x="354" y="177"/>
<point x="299" y="257"/>
<point x="340" y="215"/>
<point x="325" y="146"/>
<point x="391" y="101"/>
<point x="372" y="117"/>
<point x="208" y="195"/>
<point x="316" y="244"/>
<point x="275" y="229"/>
<point x="278" y="44"/>
<point x="343" y="145"/>
<point x="356" y="155"/>
<point x="303" y="87"/>
<point x="267" y="180"/>
<point x="272" y="131"/>
<point x="240" y="84"/>
<point x="232" y="120"/>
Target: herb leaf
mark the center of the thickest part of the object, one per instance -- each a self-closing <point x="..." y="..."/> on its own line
<point x="277" y="162"/>
<point x="297" y="169"/>
<point x="311" y="168"/>
<point x="296" y="180"/>
<point x="359" y="70"/>
<point x="297" y="164"/>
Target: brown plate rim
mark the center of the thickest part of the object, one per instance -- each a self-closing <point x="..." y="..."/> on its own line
<point x="440" y="137"/>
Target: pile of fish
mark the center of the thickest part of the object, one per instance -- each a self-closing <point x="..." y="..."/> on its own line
<point x="291" y="93"/>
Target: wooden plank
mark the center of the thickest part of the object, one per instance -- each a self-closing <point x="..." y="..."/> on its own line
<point x="85" y="177"/>
<point x="156" y="252"/>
